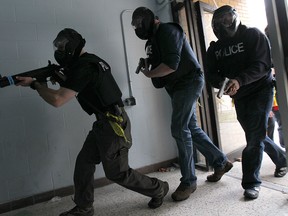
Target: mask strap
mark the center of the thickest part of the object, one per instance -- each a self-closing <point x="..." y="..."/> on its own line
<point x="79" y="48"/>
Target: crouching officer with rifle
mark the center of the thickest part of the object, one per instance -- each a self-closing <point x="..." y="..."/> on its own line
<point x="89" y="79"/>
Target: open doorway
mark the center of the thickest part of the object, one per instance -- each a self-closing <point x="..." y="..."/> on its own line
<point x="218" y="117"/>
<point x="230" y="135"/>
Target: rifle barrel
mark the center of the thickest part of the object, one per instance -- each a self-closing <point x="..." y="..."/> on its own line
<point x="40" y="74"/>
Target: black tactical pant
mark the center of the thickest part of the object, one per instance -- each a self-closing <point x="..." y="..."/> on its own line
<point x="103" y="145"/>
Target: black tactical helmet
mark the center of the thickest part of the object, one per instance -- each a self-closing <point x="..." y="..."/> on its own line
<point x="68" y="45"/>
<point x="143" y="22"/>
<point x="225" y="22"/>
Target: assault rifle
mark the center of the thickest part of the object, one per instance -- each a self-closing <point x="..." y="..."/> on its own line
<point x="55" y="72"/>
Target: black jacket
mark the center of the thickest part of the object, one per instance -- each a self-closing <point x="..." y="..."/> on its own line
<point x="245" y="57"/>
<point x="170" y="46"/>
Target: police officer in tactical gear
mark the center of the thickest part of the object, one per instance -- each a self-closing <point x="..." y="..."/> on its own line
<point x="89" y="79"/>
<point x="175" y="67"/>
<point x="242" y="54"/>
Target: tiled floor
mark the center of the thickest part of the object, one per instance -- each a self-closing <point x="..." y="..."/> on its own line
<point x="210" y="199"/>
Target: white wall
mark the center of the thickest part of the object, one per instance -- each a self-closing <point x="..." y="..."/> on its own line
<point x="259" y="19"/>
<point x="39" y="143"/>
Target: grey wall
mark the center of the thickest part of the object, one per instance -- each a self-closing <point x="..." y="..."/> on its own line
<point x="39" y="143"/>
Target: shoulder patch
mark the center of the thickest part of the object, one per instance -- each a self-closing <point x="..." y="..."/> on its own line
<point x="103" y="66"/>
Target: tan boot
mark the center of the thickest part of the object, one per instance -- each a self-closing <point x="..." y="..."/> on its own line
<point x="183" y="192"/>
<point x="217" y="175"/>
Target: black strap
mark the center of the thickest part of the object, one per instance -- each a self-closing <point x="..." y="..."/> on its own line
<point x="98" y="112"/>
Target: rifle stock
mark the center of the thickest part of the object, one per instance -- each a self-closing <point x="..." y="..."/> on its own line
<point x="40" y="74"/>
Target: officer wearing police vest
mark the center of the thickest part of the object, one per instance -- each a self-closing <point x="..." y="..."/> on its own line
<point x="89" y="79"/>
<point x="242" y="54"/>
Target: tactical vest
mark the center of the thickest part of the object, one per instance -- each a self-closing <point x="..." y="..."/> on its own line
<point x="100" y="94"/>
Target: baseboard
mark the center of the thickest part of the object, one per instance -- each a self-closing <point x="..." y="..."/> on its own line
<point x="43" y="197"/>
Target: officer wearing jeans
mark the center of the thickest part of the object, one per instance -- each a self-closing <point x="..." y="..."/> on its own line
<point x="175" y="67"/>
<point x="243" y="55"/>
<point x="89" y="78"/>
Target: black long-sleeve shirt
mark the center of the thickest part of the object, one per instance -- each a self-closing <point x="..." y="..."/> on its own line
<point x="245" y="57"/>
<point x="170" y="46"/>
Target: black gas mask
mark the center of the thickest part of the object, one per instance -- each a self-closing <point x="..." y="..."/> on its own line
<point x="225" y="22"/>
<point x="68" y="45"/>
<point x="143" y="22"/>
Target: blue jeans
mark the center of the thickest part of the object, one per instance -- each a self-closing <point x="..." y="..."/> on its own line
<point x="252" y="113"/>
<point x="187" y="133"/>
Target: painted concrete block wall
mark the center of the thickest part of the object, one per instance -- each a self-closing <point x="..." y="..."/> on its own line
<point x="39" y="143"/>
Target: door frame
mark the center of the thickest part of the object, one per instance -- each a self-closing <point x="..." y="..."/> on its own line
<point x="277" y="17"/>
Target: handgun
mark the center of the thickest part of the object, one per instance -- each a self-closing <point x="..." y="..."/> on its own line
<point x="222" y="89"/>
<point x="143" y="63"/>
